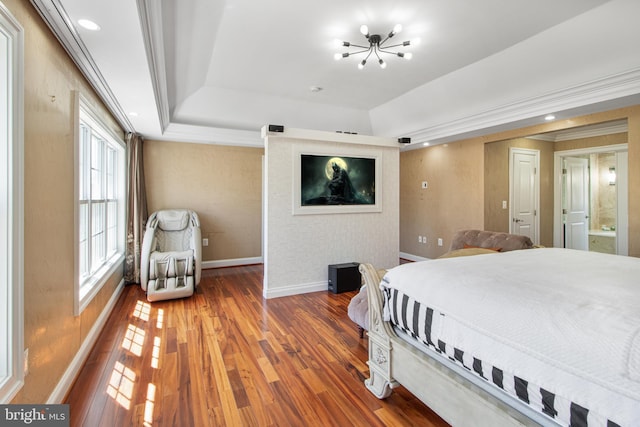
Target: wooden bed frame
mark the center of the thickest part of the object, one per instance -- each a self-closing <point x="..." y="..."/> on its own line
<point x="447" y="390"/>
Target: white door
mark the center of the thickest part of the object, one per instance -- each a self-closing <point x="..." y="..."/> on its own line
<point x="525" y="184"/>
<point x="576" y="171"/>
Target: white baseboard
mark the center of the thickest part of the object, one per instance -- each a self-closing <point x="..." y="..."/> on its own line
<point x="302" y="288"/>
<point x="232" y="262"/>
<point x="69" y="376"/>
<point x="411" y="257"/>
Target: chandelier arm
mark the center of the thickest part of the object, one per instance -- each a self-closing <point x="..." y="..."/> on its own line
<point x="388" y="52"/>
<point x="383" y="41"/>
<point x="359" y="51"/>
<point x="363" y="47"/>
<point x="369" y="54"/>
<point x="395" y="45"/>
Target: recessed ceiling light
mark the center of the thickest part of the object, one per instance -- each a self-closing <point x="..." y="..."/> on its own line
<point x="88" y="24"/>
<point x="426" y="144"/>
<point x="315" y="88"/>
<point x="549" y="117"/>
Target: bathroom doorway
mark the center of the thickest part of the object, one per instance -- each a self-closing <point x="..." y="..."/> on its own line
<point x="591" y="206"/>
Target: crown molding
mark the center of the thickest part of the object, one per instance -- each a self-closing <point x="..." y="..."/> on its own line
<point x="57" y="19"/>
<point x="582" y="132"/>
<point x="150" y="12"/>
<point x="596" y="91"/>
<point x="211" y="135"/>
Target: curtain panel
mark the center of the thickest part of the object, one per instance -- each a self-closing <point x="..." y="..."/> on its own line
<point x="137" y="213"/>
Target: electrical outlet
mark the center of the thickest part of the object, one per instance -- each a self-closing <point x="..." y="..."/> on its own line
<point x="205" y="242"/>
<point x="440" y="242"/>
<point x="504" y="204"/>
<point x="424" y="239"/>
<point x="419" y="239"/>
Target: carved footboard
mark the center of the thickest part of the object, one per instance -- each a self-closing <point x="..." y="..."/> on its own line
<point x="380" y="382"/>
<point x="393" y="362"/>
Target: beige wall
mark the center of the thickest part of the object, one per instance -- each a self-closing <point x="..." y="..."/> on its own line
<point x="452" y="201"/>
<point x="222" y="184"/>
<point x="53" y="334"/>
<point x="496" y="185"/>
<point x="423" y="211"/>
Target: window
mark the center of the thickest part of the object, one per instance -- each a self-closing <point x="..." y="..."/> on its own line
<point x="11" y="206"/>
<point x="101" y="204"/>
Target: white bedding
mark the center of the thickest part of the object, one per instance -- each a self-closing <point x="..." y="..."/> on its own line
<point x="566" y="320"/>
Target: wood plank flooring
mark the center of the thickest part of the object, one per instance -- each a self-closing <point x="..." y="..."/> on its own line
<point x="227" y="357"/>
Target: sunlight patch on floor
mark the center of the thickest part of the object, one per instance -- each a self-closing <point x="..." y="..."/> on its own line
<point x="134" y="340"/>
<point x="160" y="319"/>
<point x="121" y="384"/>
<point x="142" y="310"/>
<point x="155" y="353"/>
<point x="149" y="405"/>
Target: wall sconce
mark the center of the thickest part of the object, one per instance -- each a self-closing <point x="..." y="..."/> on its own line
<point x="612" y="176"/>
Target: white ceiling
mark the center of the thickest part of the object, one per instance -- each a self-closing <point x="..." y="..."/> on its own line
<point x="219" y="69"/>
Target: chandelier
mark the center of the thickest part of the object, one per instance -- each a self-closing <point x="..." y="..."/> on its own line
<point x="376" y="47"/>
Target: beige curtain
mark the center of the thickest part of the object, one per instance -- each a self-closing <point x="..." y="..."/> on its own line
<point x="136" y="208"/>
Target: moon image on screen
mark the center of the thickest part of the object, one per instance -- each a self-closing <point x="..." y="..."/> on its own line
<point x="338" y="161"/>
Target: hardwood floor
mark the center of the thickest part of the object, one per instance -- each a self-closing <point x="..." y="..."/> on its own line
<point x="226" y="356"/>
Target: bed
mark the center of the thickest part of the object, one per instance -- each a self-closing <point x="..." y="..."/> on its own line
<point x="527" y="337"/>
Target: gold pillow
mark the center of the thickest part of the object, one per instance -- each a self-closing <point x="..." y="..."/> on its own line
<point x="468" y="252"/>
<point x="465" y="246"/>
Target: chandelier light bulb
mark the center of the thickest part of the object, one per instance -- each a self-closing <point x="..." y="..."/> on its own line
<point x="397" y="29"/>
<point x="408" y="55"/>
<point x="364" y="30"/>
<point x="362" y="64"/>
<point x="383" y="64"/>
<point x="337" y="56"/>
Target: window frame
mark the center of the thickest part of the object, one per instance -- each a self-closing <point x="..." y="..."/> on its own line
<point x="12" y="217"/>
<point x="88" y="286"/>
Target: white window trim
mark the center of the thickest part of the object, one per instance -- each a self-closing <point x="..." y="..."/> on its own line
<point x="85" y="294"/>
<point x="14" y="280"/>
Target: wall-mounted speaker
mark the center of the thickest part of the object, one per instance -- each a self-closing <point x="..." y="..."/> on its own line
<point x="276" y="128"/>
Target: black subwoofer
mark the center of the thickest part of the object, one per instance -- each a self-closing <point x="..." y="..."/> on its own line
<point x="344" y="277"/>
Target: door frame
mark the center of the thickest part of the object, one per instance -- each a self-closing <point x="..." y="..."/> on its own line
<point x="536" y="154"/>
<point x="558" y="156"/>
